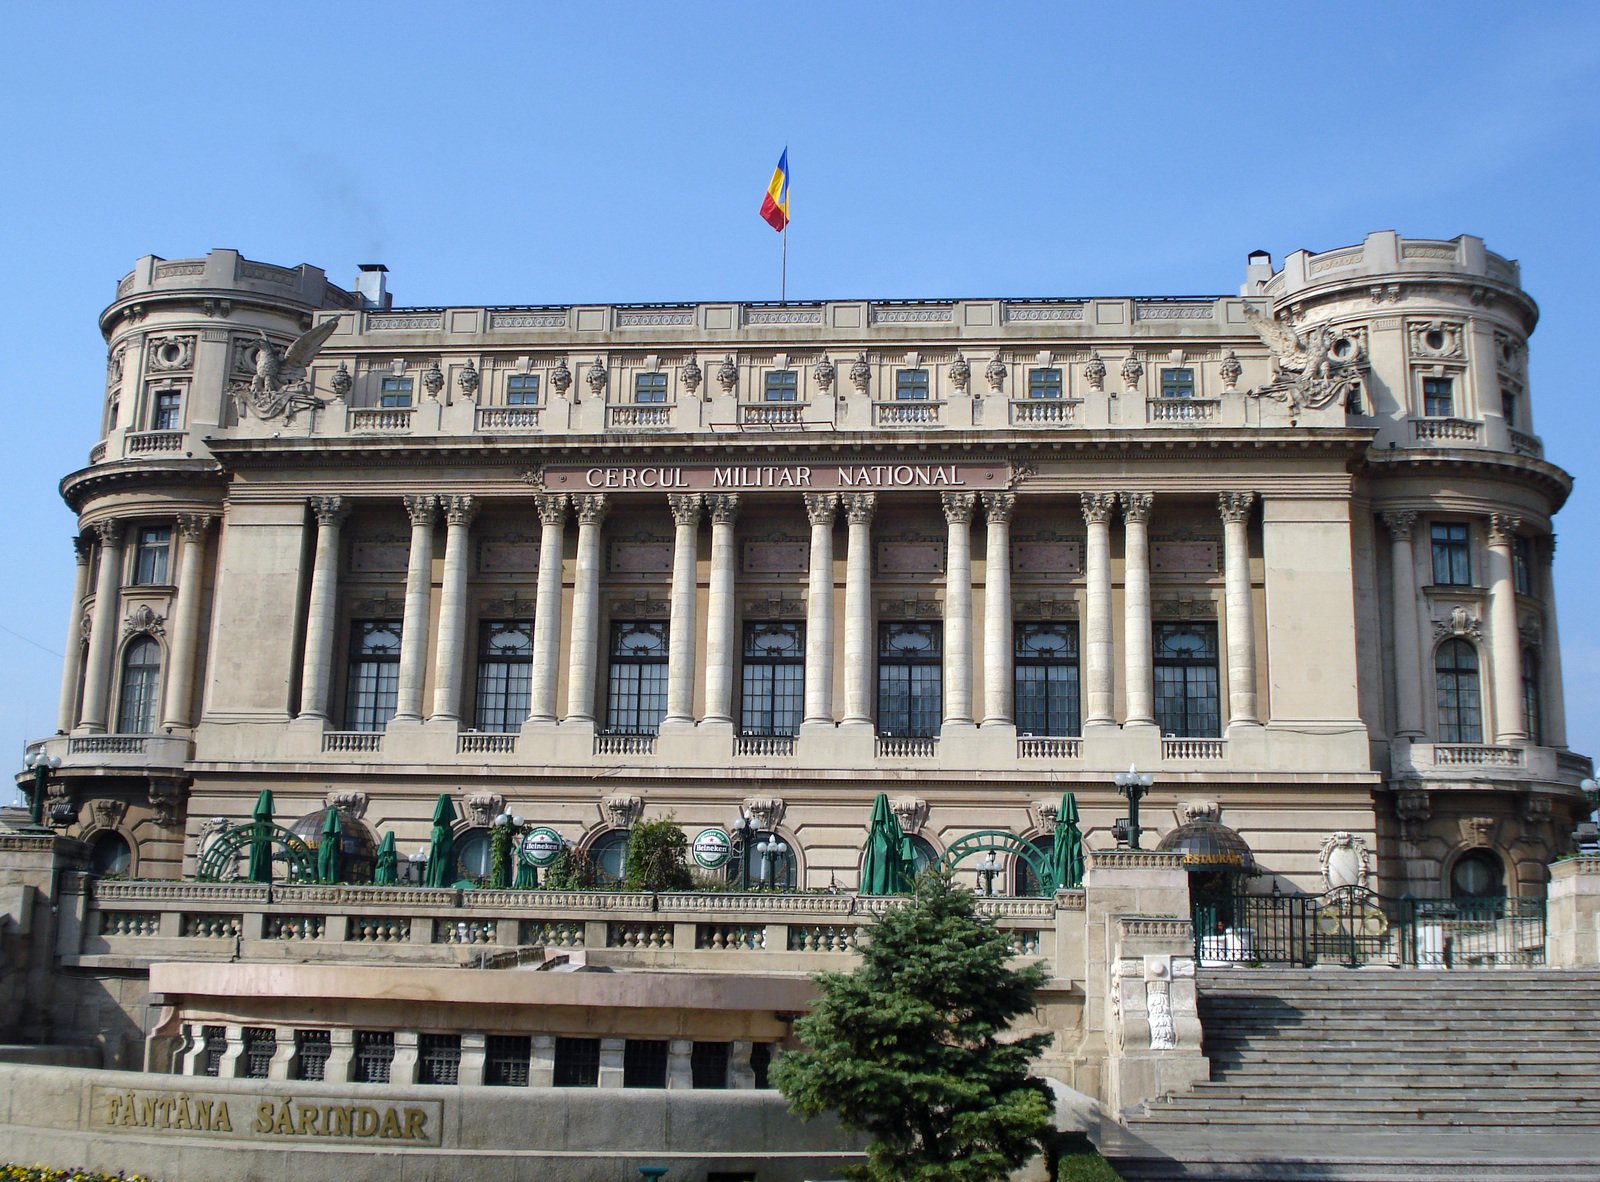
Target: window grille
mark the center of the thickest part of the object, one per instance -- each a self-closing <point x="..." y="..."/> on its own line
<point x="644" y="1063"/>
<point x="374" y="1055"/>
<point x="1045" y="673"/>
<point x="774" y="676"/>
<point x="260" y="1045"/>
<point x="439" y="1059"/>
<point x="708" y="1064"/>
<point x="577" y="1063"/>
<point x="372" y="685"/>
<point x="1186" y="680"/>
<point x="216" y="1038"/>
<point x="312" y="1049"/>
<point x="505" y="1060"/>
<point x="636" y="699"/>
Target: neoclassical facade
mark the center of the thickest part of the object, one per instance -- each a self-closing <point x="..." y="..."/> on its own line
<point x="1289" y="551"/>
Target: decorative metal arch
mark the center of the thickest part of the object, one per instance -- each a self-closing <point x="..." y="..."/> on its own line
<point x="220" y="862"/>
<point x="982" y="841"/>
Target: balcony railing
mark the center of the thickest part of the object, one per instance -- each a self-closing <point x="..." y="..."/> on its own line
<point x="506" y="418"/>
<point x="1477" y="755"/>
<point x="474" y="743"/>
<point x="766" y="746"/>
<point x="395" y="419"/>
<point x="638" y="418"/>
<point x="624" y="744"/>
<point x="1044" y="412"/>
<point x="97" y="452"/>
<point x="1446" y="431"/>
<point x="771" y="414"/>
<point x="142" y="443"/>
<point x="907" y="747"/>
<point x="1190" y="749"/>
<point x="1527" y="445"/>
<point x="910" y="413"/>
<point x="1181" y="410"/>
<point x="352" y="742"/>
<point x="1029" y="747"/>
<point x="107" y="744"/>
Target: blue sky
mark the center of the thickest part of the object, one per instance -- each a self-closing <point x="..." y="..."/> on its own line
<point x="525" y="154"/>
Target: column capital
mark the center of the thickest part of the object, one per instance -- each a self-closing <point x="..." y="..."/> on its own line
<point x="551" y="507"/>
<point x="859" y="507"/>
<point x="822" y="508"/>
<point x="685" y="508"/>
<point x="1503" y="528"/>
<point x="1399" y="523"/>
<point x="998" y="507"/>
<point x="108" y="531"/>
<point x="589" y="507"/>
<point x="422" y="510"/>
<point x="192" y="527"/>
<point x="722" y="508"/>
<point x="1097" y="507"/>
<point x="80" y="550"/>
<point x="1235" y="506"/>
<point x="459" y="510"/>
<point x="958" y="506"/>
<point x="329" y="510"/>
<point x="1136" y="505"/>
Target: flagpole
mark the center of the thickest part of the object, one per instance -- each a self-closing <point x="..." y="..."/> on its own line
<point x="783" y="274"/>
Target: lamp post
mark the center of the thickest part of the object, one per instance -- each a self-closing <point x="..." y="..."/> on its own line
<point x="1134" y="785"/>
<point x="988" y="868"/>
<point x="1587" y="836"/>
<point x="771" y="848"/>
<point x="743" y="830"/>
<point x="41" y="765"/>
<point x="502" y="845"/>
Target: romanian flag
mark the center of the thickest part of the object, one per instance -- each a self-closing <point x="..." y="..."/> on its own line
<point x="775" y="205"/>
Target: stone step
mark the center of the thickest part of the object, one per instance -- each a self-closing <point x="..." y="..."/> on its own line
<point x="1376" y="1116"/>
<point x="1252" y="1057"/>
<point x="1561" y="1074"/>
<point x="1229" y="1093"/>
<point x="1477" y="1040"/>
<point x="1205" y="1164"/>
<point x="1542" y="1007"/>
<point x="1353" y="1020"/>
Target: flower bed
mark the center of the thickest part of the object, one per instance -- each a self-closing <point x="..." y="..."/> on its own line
<point x="36" y="1173"/>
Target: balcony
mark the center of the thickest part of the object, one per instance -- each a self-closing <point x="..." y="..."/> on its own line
<point x="1486" y="761"/>
<point x="624" y="744"/>
<point x="910" y="413"/>
<point x="1182" y="410"/>
<point x="1029" y="747"/>
<point x="1192" y="750"/>
<point x="383" y="420"/>
<point x="97" y="452"/>
<point x="352" y="742"/>
<point x="477" y="743"/>
<point x="771" y="414"/>
<point x="907" y="747"/>
<point x="506" y="419"/>
<point x="657" y="417"/>
<point x="1527" y="445"/>
<point x="1446" y="432"/>
<point x="764" y="746"/>
<point x="139" y="751"/>
<point x="1477" y="755"/>
<point x="1045" y="412"/>
<point x="143" y="443"/>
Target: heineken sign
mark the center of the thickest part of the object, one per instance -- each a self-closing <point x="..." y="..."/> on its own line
<point x="711" y="849"/>
<point x="542" y="846"/>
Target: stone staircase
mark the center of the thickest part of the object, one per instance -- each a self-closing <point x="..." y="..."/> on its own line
<point x="1368" y="1075"/>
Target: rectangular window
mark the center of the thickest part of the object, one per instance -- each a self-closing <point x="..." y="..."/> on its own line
<point x="781" y="385"/>
<point x="911" y="385"/>
<point x="1532" y="714"/>
<point x="312" y="1048"/>
<point x="374" y="1055"/>
<point x="1186" y="681"/>
<point x="260" y="1045"/>
<point x="1177" y="383"/>
<point x="1046" y="678"/>
<point x="708" y="1064"/>
<point x="372" y="679"/>
<point x="1522" y="565"/>
<point x="394" y="392"/>
<point x="760" y="1062"/>
<point x="522" y="389"/>
<point x="505" y="1060"/>
<point x="167" y="414"/>
<point x="1438" y="397"/>
<point x="644" y="1063"/>
<point x="773" y="699"/>
<point x="650" y="387"/>
<point x="150" y="556"/>
<point x="505" y="674"/>
<point x="439" y="1059"/>
<point x="1460" y="704"/>
<point x="1451" y="550"/>
<point x="577" y="1063"/>
<point x="636" y="699"/>
<point x="216" y="1040"/>
<point x="1508" y="407"/>
<point x="1044" y="383"/>
<point x="910" y="678"/>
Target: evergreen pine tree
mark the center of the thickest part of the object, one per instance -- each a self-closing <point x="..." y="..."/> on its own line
<point x="906" y="1048"/>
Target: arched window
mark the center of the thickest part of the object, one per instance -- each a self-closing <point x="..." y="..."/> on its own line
<point x="141" y="673"/>
<point x="1531" y="712"/>
<point x="1023" y="880"/>
<point x="474" y="855"/>
<point x="109" y="853"/>
<point x="1478" y="874"/>
<point x="608" y="856"/>
<point x="1460" y="706"/>
<point x="923" y="854"/>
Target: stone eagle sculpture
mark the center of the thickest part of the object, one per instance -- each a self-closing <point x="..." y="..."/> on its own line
<point x="279" y="384"/>
<point x="1304" y="372"/>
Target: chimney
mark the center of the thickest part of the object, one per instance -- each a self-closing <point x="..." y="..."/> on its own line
<point x="1258" y="269"/>
<point x="373" y="287"/>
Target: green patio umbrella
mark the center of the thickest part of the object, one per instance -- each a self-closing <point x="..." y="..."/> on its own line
<point x="883" y="869"/>
<point x="330" y="848"/>
<point x="261" y="839"/>
<point x="387" y="870"/>
<point x="441" y="844"/>
<point x="1066" y="860"/>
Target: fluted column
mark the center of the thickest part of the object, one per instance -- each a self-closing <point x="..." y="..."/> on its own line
<point x="72" y="650"/>
<point x="1554" y="701"/>
<point x="821" y="509"/>
<point x="322" y="612"/>
<point x="552" y="508"/>
<point x="858" y="647"/>
<point x="1098" y="652"/>
<point x="178" y="701"/>
<point x="723" y="508"/>
<point x="419" y="586"/>
<point x="999" y="656"/>
<point x="1404" y="633"/>
<point x="458" y="515"/>
<point x="958" y="508"/>
<point x="1137" y="669"/>
<point x="103" y="627"/>
<point x="1235" y="510"/>
<point x="1504" y="637"/>
<point x="681" y="630"/>
<point x="590" y="509"/>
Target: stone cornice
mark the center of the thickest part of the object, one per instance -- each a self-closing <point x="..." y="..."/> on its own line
<point x="78" y="487"/>
<point x="1554" y="481"/>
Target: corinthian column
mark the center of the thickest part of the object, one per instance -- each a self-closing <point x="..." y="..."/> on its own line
<point x="1504" y="638"/>
<point x="1554" y="704"/>
<point x="591" y="511"/>
<point x="1235" y="509"/>
<point x="1137" y="670"/>
<point x="419" y="586"/>
<point x="723" y="509"/>
<point x="1098" y="651"/>
<point x="958" y="508"/>
<point x="999" y="683"/>
<point x="179" y="698"/>
<point x="858" y="508"/>
<point x="322" y="611"/>
<point x="103" y="627"/>
<point x="552" y="509"/>
<point x="72" y="651"/>
<point x="458" y="515"/>
<point x="681" y="629"/>
<point x="821" y="509"/>
<point x="1404" y="632"/>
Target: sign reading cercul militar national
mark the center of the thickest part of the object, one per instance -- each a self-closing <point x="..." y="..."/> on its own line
<point x="831" y="477"/>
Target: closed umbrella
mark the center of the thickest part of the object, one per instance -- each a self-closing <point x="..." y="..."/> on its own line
<point x="441" y="844"/>
<point x="387" y="870"/>
<point x="1066" y="860"/>
<point x="330" y="848"/>
<point x="882" y="870"/>
<point x="261" y="839"/>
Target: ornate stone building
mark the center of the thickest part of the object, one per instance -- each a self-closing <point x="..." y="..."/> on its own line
<point x="1289" y="551"/>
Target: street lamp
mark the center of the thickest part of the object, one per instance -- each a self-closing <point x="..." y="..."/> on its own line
<point x="743" y="830"/>
<point x="988" y="868"/>
<point x="771" y="848"/>
<point x="41" y="765"/>
<point x="1134" y="785"/>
